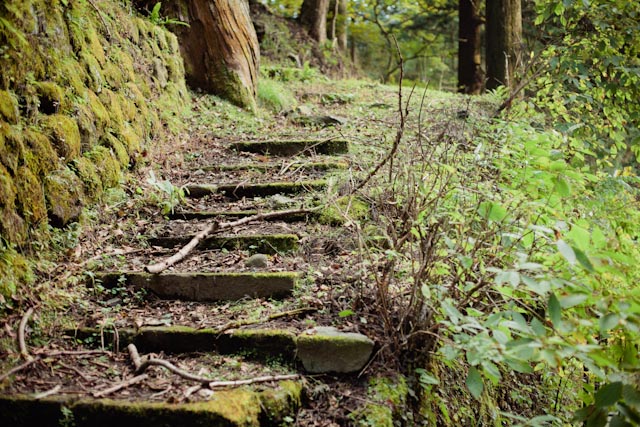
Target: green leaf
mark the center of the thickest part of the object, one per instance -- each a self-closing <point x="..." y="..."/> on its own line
<point x="608" y="322"/>
<point x="346" y="313"/>
<point x="555" y="310"/>
<point x="566" y="251"/>
<point x="474" y="382"/>
<point x="562" y="186"/>
<point x="583" y="259"/>
<point x="492" y="211"/>
<point x="608" y="394"/>
<point x="631" y="395"/>
<point x="572" y="300"/>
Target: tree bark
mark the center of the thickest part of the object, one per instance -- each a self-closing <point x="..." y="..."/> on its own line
<point x="342" y="25"/>
<point x="504" y="41"/>
<point x="313" y="17"/>
<point x="219" y="47"/>
<point x="470" y="78"/>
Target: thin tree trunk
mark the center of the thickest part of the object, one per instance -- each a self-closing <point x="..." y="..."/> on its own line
<point x="504" y="41"/>
<point x="470" y="78"/>
<point x="342" y="25"/>
<point x="313" y="17"/>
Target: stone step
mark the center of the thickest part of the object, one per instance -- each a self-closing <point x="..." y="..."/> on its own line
<point x="320" y="350"/>
<point x="276" y="166"/>
<point x="228" y="215"/>
<point x="241" y="407"/>
<point x="239" y="191"/>
<point x="293" y="147"/>
<point x="205" y="286"/>
<point x="256" y="243"/>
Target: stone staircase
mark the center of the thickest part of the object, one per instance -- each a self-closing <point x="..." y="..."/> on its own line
<point x="278" y="272"/>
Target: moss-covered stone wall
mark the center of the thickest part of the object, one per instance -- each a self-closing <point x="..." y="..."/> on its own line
<point x="83" y="87"/>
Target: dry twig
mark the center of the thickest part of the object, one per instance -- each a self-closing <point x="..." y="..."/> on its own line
<point x="214" y="228"/>
<point x="142" y="365"/>
<point x="121" y="385"/>
<point x="238" y="323"/>
<point x="24" y="351"/>
<point x="47" y="393"/>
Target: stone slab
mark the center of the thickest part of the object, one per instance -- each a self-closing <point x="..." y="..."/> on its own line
<point x="325" y="349"/>
<point x="206" y="286"/>
<point x="291" y="148"/>
<point x="262" y="243"/>
<point x="197" y="215"/>
<point x="239" y="191"/>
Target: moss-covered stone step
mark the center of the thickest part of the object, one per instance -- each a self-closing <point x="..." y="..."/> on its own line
<point x="257" y="243"/>
<point x="197" y="215"/>
<point x="259" y="344"/>
<point x="242" y="407"/>
<point x="205" y="286"/>
<point x="238" y="191"/>
<point x="270" y="166"/>
<point x="293" y="147"/>
<point x="321" y="349"/>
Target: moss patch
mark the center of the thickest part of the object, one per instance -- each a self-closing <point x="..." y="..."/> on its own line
<point x="40" y="155"/>
<point x="107" y="165"/>
<point x="344" y="209"/>
<point x="30" y="196"/>
<point x="387" y="401"/>
<point x="51" y="97"/>
<point x="64" y="134"/>
<point x="8" y="107"/>
<point x="64" y="196"/>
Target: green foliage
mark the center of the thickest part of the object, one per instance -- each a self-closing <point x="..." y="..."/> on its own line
<point x="156" y="19"/>
<point x="169" y="195"/>
<point x="591" y="82"/>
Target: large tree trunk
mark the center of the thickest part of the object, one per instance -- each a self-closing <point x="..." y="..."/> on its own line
<point x="470" y="78"/>
<point x="504" y="41"/>
<point x="313" y="17"/>
<point x="219" y="47"/>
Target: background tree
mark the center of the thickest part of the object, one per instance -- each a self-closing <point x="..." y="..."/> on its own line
<point x="470" y="75"/>
<point x="504" y="41"/>
<point x="313" y="17"/>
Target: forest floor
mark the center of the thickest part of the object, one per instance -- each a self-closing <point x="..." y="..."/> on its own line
<point x="124" y="234"/>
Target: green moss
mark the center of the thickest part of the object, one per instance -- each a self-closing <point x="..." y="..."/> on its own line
<point x="8" y="107"/>
<point x="107" y="164"/>
<point x="344" y="209"/>
<point x="118" y="149"/>
<point x="40" y="155"/>
<point x="280" y="402"/>
<point x="15" y="272"/>
<point x="51" y="97"/>
<point x="113" y="76"/>
<point x="64" y="197"/>
<point x="30" y="196"/>
<point x="387" y="400"/>
<point x="94" y="80"/>
<point x="130" y="139"/>
<point x="11" y="146"/>
<point x="100" y="113"/>
<point x="112" y="103"/>
<point x="72" y="74"/>
<point x="64" y="134"/>
<point x="87" y="171"/>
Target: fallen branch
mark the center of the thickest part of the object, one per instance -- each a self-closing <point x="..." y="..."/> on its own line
<point x="214" y="228"/>
<point x="47" y="393"/>
<point x="142" y="365"/>
<point x="24" y="351"/>
<point x="239" y="323"/>
<point x="106" y="27"/>
<point x="18" y="368"/>
<point x="121" y="385"/>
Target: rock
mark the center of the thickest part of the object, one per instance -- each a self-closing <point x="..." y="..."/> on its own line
<point x="325" y="349"/>
<point x="256" y="261"/>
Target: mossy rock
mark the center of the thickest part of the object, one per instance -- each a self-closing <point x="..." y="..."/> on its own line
<point x="112" y="103"/>
<point x="387" y="400"/>
<point x="12" y="226"/>
<point x="64" y="134"/>
<point x="94" y="79"/>
<point x="131" y="140"/>
<point x="30" y="194"/>
<point x="117" y="147"/>
<point x="87" y="171"/>
<point x="15" y="271"/>
<point x="40" y="155"/>
<point x="11" y="147"/>
<point x="51" y="98"/>
<point x="107" y="164"/>
<point x="8" y="107"/>
<point x="100" y="113"/>
<point x="87" y="126"/>
<point x="71" y="74"/>
<point x="280" y="402"/>
<point x="64" y="196"/>
<point x="7" y="188"/>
